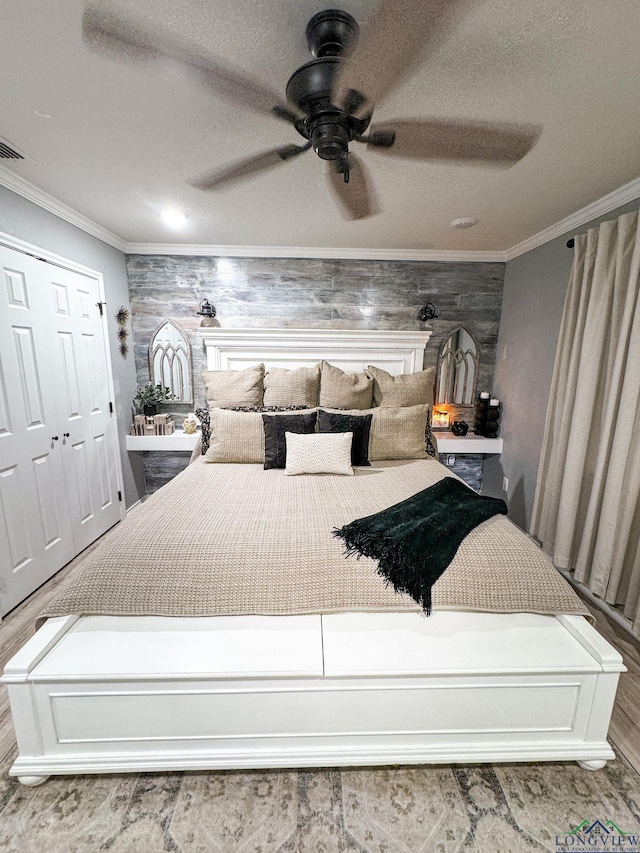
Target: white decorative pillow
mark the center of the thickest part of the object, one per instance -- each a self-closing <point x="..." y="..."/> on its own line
<point x="319" y="453"/>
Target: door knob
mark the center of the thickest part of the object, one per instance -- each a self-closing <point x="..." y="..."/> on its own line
<point x="54" y="438"/>
<point x="65" y="435"/>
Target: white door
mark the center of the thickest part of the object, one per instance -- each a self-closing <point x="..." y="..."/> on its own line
<point x="84" y="420"/>
<point x="53" y="381"/>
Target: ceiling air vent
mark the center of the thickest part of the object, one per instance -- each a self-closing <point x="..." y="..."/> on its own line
<point x="8" y="152"/>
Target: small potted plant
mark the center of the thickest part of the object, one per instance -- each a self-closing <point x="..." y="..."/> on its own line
<point x="150" y="395"/>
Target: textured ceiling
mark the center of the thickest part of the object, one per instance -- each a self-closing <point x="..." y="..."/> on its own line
<point x="123" y="139"/>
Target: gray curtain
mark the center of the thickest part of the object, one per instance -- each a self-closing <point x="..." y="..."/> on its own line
<point x="586" y="511"/>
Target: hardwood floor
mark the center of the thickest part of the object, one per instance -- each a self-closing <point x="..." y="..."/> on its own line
<point x="624" y="732"/>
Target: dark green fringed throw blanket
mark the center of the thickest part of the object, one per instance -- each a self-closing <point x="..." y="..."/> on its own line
<point x="416" y="539"/>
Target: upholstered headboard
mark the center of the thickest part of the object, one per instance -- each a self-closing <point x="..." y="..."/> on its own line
<point x="351" y="350"/>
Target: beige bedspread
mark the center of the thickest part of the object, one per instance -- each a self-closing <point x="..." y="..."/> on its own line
<point x="235" y="539"/>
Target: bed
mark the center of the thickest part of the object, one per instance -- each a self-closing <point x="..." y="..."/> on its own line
<point x="221" y="625"/>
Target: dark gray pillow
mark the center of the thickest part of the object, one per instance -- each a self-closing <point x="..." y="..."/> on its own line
<point x="359" y="425"/>
<point x="275" y="444"/>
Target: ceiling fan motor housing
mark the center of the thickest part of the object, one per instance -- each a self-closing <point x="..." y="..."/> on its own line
<point x="331" y="33"/>
<point x="330" y="138"/>
<point x="329" y="128"/>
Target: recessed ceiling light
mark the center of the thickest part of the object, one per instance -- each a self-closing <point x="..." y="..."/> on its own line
<point x="464" y="222"/>
<point x="174" y="218"/>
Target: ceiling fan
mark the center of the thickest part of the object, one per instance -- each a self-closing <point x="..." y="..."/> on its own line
<point x="330" y="100"/>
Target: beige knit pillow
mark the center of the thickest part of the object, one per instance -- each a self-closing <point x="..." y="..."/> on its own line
<point x="235" y="437"/>
<point x="299" y="387"/>
<point x="397" y="432"/>
<point x="408" y="389"/>
<point x="340" y="390"/>
<point x="234" y="387"/>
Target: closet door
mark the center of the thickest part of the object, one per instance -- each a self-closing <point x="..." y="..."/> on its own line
<point x="87" y="438"/>
<point x="35" y="525"/>
<point x="58" y="446"/>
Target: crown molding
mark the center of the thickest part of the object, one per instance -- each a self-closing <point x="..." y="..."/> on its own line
<point x="623" y="195"/>
<point x="27" y="190"/>
<point x="627" y="192"/>
<point x="313" y="252"/>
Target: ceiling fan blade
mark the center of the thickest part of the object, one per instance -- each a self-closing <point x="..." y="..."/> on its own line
<point x="244" y="168"/>
<point x="108" y="33"/>
<point x="357" y="199"/>
<point x="398" y="35"/>
<point x="492" y="143"/>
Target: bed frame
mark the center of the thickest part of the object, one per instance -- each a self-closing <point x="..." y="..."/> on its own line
<point x="98" y="694"/>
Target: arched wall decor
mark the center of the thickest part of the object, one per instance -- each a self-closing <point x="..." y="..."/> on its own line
<point x="170" y="361"/>
<point x="458" y="368"/>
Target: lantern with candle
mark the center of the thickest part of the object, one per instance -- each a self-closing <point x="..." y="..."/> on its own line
<point x="440" y="419"/>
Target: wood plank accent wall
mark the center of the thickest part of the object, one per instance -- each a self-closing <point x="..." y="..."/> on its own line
<point x="303" y="293"/>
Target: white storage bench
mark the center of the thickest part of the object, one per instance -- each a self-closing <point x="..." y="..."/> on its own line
<point x="103" y="694"/>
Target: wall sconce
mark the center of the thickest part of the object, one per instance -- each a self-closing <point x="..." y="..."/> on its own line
<point x="207" y="312"/>
<point x="440" y="419"/>
<point x="427" y="313"/>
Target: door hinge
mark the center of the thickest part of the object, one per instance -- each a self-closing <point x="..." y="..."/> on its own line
<point x="100" y="306"/>
<point x="110" y="407"/>
<point x="120" y="496"/>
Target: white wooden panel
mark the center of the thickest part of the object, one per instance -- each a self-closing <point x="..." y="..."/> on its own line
<point x="100" y="480"/>
<point x="5" y="415"/>
<point x="400" y="351"/>
<point x="17" y="295"/>
<point x="345" y="711"/>
<point x="68" y="376"/>
<point x="60" y="299"/>
<point x="81" y="479"/>
<point x="449" y="642"/>
<point x="13" y="518"/>
<point x="98" y="647"/>
<point x="47" y="499"/>
<point x="84" y="303"/>
<point x="29" y="376"/>
<point x="93" y="390"/>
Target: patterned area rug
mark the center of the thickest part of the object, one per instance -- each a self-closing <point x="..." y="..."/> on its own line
<point x="441" y="809"/>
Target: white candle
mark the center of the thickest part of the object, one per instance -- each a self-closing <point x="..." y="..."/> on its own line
<point x="494" y="402"/>
<point x="484" y="395"/>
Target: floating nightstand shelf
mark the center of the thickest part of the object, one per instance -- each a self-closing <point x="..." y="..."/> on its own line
<point x="179" y="440"/>
<point x="447" y="442"/>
